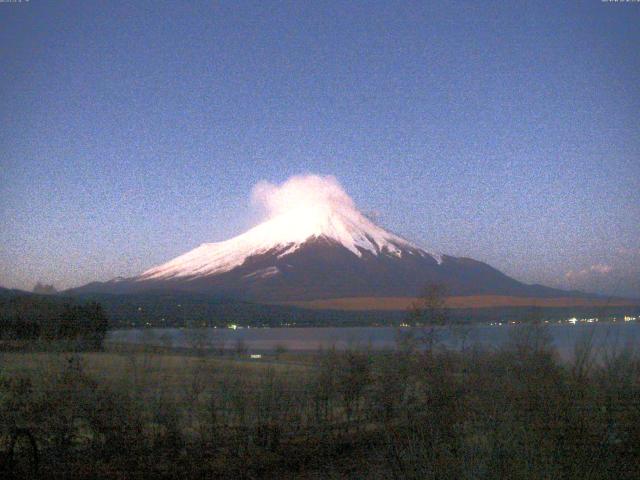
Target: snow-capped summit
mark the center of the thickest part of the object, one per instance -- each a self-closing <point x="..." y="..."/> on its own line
<point x="284" y="233"/>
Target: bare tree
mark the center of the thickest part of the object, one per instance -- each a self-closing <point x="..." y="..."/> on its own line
<point x="429" y="312"/>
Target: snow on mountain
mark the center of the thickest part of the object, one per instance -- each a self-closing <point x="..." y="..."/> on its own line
<point x="302" y="209"/>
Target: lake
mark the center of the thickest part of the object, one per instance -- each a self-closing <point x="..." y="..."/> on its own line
<point x="564" y="336"/>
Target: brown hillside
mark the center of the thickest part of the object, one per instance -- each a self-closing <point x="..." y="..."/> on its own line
<point x="471" y="301"/>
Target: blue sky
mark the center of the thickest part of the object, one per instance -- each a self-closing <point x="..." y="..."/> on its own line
<point x="132" y="132"/>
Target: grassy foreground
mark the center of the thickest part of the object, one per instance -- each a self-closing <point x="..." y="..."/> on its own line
<point x="514" y="413"/>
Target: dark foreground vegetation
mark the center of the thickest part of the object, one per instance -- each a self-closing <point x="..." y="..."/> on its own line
<point x="36" y="322"/>
<point x="416" y="413"/>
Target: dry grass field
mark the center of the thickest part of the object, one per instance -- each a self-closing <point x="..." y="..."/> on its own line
<point x="472" y="301"/>
<point x="142" y="412"/>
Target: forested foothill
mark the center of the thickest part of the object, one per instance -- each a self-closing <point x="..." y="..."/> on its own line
<point x="40" y="321"/>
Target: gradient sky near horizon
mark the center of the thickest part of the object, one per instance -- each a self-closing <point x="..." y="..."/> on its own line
<point x="131" y="132"/>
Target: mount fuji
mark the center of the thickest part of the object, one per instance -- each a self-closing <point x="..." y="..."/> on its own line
<point x="315" y="245"/>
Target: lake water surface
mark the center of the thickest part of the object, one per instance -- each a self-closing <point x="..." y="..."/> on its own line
<point x="604" y="335"/>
